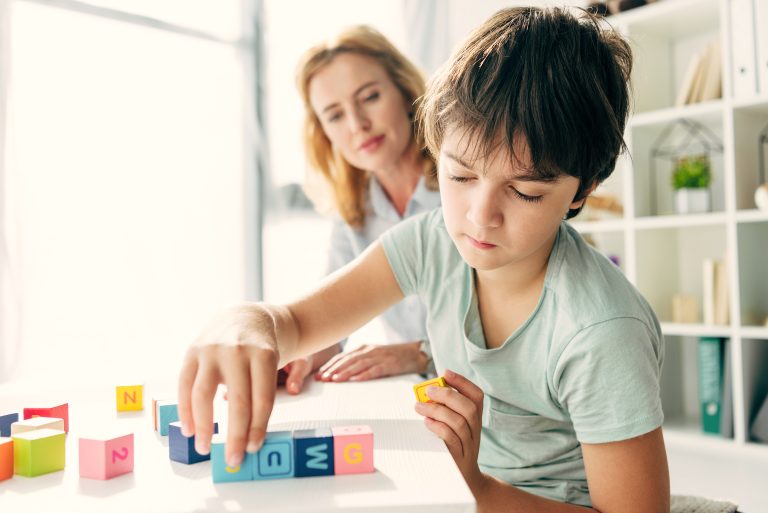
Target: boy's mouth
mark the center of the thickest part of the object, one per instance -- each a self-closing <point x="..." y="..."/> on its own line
<point x="480" y="244"/>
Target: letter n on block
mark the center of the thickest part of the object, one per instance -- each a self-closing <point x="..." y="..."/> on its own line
<point x="129" y="398"/>
<point x="353" y="449"/>
<point x="275" y="458"/>
<point x="314" y="452"/>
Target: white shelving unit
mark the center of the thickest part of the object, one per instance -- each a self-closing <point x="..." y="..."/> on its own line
<point x="661" y="252"/>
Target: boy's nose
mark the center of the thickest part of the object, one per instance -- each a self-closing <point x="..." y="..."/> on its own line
<point x="484" y="212"/>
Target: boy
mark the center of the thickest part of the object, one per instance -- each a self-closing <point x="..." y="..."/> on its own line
<point x="552" y="356"/>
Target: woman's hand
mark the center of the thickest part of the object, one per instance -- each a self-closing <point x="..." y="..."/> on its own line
<point x="294" y="373"/>
<point x="371" y="362"/>
<point x="238" y="349"/>
<point x="455" y="416"/>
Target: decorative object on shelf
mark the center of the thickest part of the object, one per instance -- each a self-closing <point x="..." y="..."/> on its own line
<point x="685" y="309"/>
<point x="691" y="179"/>
<point x="761" y="193"/>
<point x="688" y="145"/>
<point x="598" y="8"/>
<point x="602" y="206"/>
<point x="617" y="6"/>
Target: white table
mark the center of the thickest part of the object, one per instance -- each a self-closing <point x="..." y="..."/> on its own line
<point x="414" y="471"/>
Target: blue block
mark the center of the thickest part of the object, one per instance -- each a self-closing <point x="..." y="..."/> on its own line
<point x="5" y="423"/>
<point x="166" y="413"/>
<point x="275" y="458"/>
<point x="182" y="448"/>
<point x="313" y="450"/>
<point x="224" y="474"/>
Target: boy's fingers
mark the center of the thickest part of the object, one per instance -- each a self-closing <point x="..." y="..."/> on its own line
<point x="238" y="380"/>
<point x="300" y="369"/>
<point x="184" y="394"/>
<point x="446" y="434"/>
<point x="263" y="367"/>
<point x="203" y="392"/>
<point x="458" y="423"/>
<point x="464" y="386"/>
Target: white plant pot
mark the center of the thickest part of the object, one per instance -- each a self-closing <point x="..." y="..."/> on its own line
<point x="692" y="201"/>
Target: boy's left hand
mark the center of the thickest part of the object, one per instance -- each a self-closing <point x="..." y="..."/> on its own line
<point x="455" y="416"/>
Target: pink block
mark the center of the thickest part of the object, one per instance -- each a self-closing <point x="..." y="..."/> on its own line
<point x="352" y="449"/>
<point x="106" y="457"/>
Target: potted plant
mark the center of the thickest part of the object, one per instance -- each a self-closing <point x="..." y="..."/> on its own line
<point x="691" y="179"/>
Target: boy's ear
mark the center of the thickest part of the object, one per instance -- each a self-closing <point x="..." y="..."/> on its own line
<point x="578" y="203"/>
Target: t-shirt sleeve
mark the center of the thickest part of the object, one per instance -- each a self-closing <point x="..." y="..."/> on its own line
<point x="607" y="378"/>
<point x="404" y="246"/>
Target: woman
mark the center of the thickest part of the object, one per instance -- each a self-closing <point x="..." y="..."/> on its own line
<point x="368" y="162"/>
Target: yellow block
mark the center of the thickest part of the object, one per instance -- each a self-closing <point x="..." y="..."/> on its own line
<point x="129" y="398"/>
<point x="421" y="389"/>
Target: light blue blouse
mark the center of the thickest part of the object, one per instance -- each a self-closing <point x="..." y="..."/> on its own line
<point x="406" y="321"/>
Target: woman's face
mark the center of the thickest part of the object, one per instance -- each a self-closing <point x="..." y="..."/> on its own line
<point x="362" y="112"/>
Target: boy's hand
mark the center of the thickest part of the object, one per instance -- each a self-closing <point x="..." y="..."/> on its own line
<point x="373" y="362"/>
<point x="455" y="416"/>
<point x="238" y="349"/>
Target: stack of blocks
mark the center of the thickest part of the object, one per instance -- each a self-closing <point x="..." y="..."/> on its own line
<point x="301" y="453"/>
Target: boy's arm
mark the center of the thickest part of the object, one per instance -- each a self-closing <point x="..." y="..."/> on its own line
<point x="246" y="345"/>
<point x="630" y="476"/>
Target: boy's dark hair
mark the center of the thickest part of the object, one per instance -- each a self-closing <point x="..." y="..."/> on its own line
<point x="556" y="78"/>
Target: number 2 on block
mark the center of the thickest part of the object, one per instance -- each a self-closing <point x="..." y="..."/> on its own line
<point x="119" y="455"/>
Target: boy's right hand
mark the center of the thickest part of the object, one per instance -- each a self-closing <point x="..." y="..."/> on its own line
<point x="238" y="349"/>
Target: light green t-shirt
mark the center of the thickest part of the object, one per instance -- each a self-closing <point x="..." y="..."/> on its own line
<point x="583" y="368"/>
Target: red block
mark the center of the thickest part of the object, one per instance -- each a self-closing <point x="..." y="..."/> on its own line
<point x="59" y="412"/>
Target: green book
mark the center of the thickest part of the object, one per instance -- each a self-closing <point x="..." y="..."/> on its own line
<point x="710" y="383"/>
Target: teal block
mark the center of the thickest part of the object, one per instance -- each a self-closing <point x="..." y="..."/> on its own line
<point x="166" y="413"/>
<point x="224" y="474"/>
<point x="275" y="458"/>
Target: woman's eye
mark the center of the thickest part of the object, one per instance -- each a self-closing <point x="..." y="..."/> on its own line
<point x="372" y="97"/>
<point x="334" y="117"/>
<point x="525" y="197"/>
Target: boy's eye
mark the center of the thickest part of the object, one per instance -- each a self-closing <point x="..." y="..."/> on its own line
<point x="459" y="179"/>
<point x="525" y="197"/>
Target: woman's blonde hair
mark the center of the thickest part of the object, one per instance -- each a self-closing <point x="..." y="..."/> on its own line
<point x="347" y="185"/>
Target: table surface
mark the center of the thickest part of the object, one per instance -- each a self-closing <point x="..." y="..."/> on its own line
<point x="414" y="471"/>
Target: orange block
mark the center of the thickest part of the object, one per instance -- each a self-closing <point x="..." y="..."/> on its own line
<point x="6" y="458"/>
<point x="421" y="389"/>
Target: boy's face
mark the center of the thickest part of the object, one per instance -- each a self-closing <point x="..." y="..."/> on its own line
<point x="496" y="217"/>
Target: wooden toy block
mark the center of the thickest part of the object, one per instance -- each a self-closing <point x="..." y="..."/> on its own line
<point x="6" y="458"/>
<point x="313" y="450"/>
<point x="421" y="389"/>
<point x="223" y="473"/>
<point x="154" y="413"/>
<point x="275" y="458"/>
<point x="352" y="449"/>
<point x="165" y="413"/>
<point x="38" y="452"/>
<point x="129" y="397"/>
<point x="182" y="448"/>
<point x="105" y="456"/>
<point x="35" y="423"/>
<point x="5" y="423"/>
<point x="60" y="411"/>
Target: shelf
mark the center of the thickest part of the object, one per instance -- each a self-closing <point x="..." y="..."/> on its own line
<point x="706" y="112"/>
<point x="755" y="332"/>
<point x="695" y="330"/>
<point x="751" y="216"/>
<point x="758" y="103"/>
<point x="672" y="19"/>
<point x="680" y="221"/>
<point x="611" y="225"/>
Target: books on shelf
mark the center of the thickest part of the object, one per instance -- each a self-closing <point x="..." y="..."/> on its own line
<point x="726" y="413"/>
<point x="743" y="43"/>
<point x="759" y="427"/>
<point x="711" y="367"/>
<point x="715" y="293"/>
<point x="703" y="78"/>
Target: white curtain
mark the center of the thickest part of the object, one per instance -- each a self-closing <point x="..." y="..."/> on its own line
<point x="428" y="32"/>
